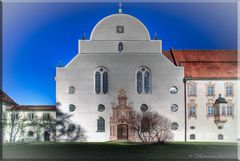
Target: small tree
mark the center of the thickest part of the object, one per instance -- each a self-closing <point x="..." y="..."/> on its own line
<point x="152" y="128"/>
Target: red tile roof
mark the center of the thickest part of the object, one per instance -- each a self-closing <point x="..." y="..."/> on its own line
<point x="32" y="107"/>
<point x="212" y="64"/>
<point x="6" y="99"/>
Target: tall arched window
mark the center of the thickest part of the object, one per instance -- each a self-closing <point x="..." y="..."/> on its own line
<point x="143" y="80"/>
<point x="139" y="82"/>
<point x="105" y="82"/>
<point x="97" y="82"/>
<point x="100" y="124"/>
<point x="101" y="80"/>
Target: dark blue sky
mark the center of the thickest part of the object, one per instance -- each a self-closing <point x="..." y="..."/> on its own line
<point x="37" y="35"/>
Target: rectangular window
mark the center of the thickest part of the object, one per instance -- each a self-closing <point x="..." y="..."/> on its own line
<point x="229" y="90"/>
<point x="15" y="116"/>
<point x="192" y="91"/>
<point x="30" y="116"/>
<point x="210" y="110"/>
<point x="210" y="90"/>
<point x="223" y="111"/>
<point x="192" y="111"/>
<point x="229" y="110"/>
<point x="120" y="29"/>
<point x="46" y="116"/>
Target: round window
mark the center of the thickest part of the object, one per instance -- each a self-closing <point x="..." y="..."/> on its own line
<point x="192" y="127"/>
<point x="72" y="108"/>
<point x="174" y="107"/>
<point x="71" y="127"/>
<point x="174" y="126"/>
<point x="144" y="107"/>
<point x="173" y="90"/>
<point x="101" y="108"/>
<point x="101" y="69"/>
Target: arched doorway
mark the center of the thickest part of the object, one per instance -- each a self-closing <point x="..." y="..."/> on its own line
<point x="46" y="136"/>
<point x="122" y="132"/>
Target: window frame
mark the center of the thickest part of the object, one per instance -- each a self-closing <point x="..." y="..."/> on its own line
<point x="192" y="104"/>
<point x="212" y="86"/>
<point x="226" y="85"/>
<point x="71" y="90"/>
<point x="101" y="124"/>
<point x="103" y="83"/>
<point x="190" y="86"/>
<point x="192" y="137"/>
<point x="220" y="137"/>
<point x="146" y="86"/>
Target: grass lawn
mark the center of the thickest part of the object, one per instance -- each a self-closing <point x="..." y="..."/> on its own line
<point x="120" y="151"/>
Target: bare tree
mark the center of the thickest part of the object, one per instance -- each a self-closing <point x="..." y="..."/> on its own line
<point x="67" y="130"/>
<point x="16" y="124"/>
<point x="151" y="127"/>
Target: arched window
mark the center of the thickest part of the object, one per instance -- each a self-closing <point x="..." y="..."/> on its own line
<point x="147" y="82"/>
<point x="220" y="137"/>
<point x="105" y="82"/>
<point x="192" y="137"/>
<point x="100" y="124"/>
<point x="174" y="126"/>
<point x="97" y="82"/>
<point x="101" y="80"/>
<point x="143" y="80"/>
<point x="139" y="82"/>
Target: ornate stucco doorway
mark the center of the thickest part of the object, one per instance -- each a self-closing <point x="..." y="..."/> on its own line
<point x="122" y="132"/>
<point x="120" y="121"/>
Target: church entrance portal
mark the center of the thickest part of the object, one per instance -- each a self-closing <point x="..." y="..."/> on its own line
<point x="121" y="119"/>
<point x="122" y="132"/>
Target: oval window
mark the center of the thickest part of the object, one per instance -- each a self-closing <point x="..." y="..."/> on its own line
<point x="72" y="108"/>
<point x="174" y="107"/>
<point x="173" y="90"/>
<point x="144" y="107"/>
<point x="174" y="126"/>
<point x="192" y="127"/>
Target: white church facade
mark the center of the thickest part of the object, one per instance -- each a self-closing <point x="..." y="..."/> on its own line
<point x="119" y="61"/>
<point x="120" y="69"/>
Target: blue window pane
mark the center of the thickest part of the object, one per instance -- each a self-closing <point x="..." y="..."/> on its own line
<point x="210" y="91"/>
<point x="147" y="82"/>
<point x="210" y="110"/>
<point x="97" y="82"/>
<point x="229" y="110"/>
<point x="139" y="82"/>
<point x="105" y="82"/>
<point x="229" y="90"/>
